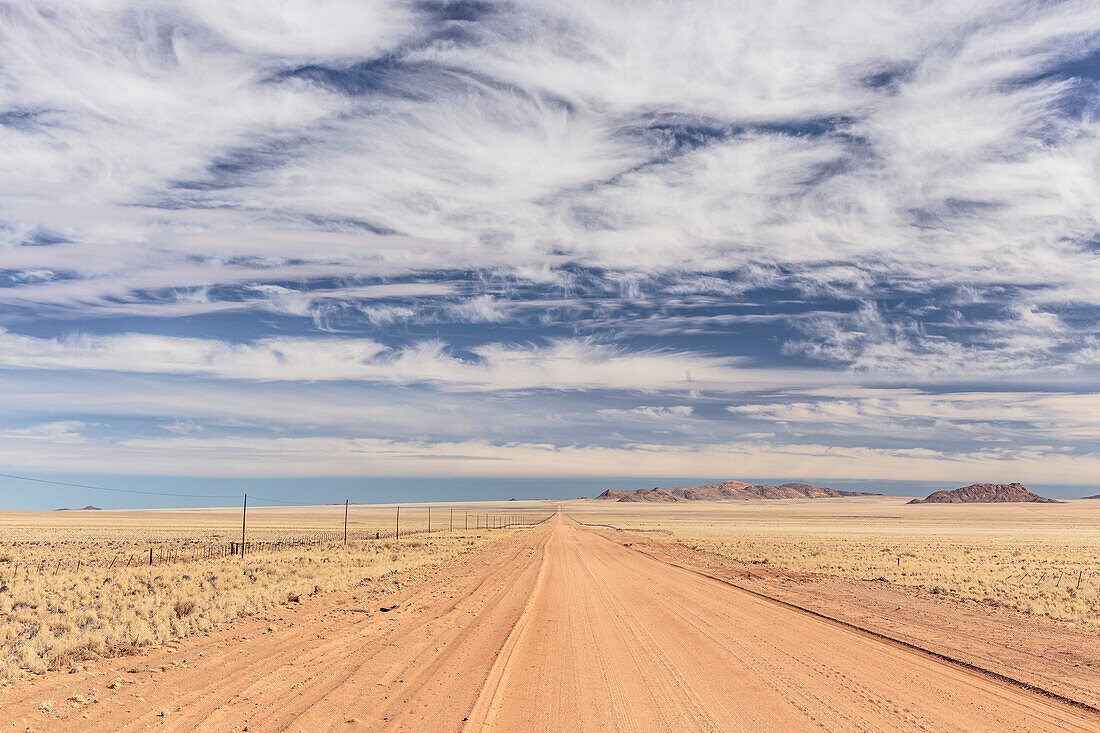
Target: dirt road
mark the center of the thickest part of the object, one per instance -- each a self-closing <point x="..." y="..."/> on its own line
<point x="555" y="629"/>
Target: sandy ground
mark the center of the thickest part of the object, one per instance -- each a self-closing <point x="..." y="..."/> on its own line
<point x="557" y="629"/>
<point x="1062" y="658"/>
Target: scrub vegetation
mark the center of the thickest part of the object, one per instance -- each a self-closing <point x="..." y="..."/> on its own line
<point x="54" y="614"/>
<point x="1036" y="559"/>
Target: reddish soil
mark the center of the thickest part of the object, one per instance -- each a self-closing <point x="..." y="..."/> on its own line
<point x="1049" y="654"/>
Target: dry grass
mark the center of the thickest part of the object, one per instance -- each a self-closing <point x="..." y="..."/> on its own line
<point x="1037" y="559"/>
<point x="100" y="537"/>
<point x="52" y="619"/>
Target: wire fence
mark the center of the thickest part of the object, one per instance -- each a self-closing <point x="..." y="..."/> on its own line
<point x="175" y="551"/>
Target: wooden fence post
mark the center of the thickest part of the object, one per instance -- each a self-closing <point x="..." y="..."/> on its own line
<point x="244" y="517"/>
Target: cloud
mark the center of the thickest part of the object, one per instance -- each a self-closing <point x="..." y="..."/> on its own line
<point x="672" y="412"/>
<point x="482" y="309"/>
<point x="920" y="152"/>
<point x="635" y="202"/>
<point x="1061" y="416"/>
<point x="348" y="456"/>
<point x="564" y="364"/>
<point x="1017" y="340"/>
<point x="63" y="431"/>
<point x="183" y="427"/>
<point x="310" y="28"/>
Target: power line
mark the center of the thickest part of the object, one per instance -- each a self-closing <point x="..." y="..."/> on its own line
<point x="280" y="501"/>
<point x="117" y="491"/>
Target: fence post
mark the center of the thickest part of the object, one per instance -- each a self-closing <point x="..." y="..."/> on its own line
<point x="397" y="533"/>
<point x="150" y="557"/>
<point x="429" y="519"/>
<point x="244" y="517"/>
<point x="346" y="520"/>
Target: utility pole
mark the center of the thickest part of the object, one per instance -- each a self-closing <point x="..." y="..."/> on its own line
<point x="244" y="518"/>
<point x="346" y="501"/>
<point x="467" y="521"/>
<point x="398" y="533"/>
<point x="451" y="521"/>
<point x="429" y="519"/>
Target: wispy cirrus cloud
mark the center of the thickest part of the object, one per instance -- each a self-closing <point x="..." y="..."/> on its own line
<point x="651" y="412"/>
<point x="573" y="364"/>
<point x="63" y="431"/>
<point x="925" y="132"/>
<point x="1059" y="416"/>
<point x="243" y="456"/>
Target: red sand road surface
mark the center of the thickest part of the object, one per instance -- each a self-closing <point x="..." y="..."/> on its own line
<point x="555" y="629"/>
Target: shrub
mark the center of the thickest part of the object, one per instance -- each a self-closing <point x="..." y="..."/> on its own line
<point x="184" y="607"/>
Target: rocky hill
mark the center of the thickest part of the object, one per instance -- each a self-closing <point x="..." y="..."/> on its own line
<point x="985" y="494"/>
<point x="1097" y="496"/>
<point x="727" y="491"/>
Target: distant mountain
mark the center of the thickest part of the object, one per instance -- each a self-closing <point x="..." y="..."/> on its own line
<point x="88" y="508"/>
<point x="726" y="491"/>
<point x="985" y="494"/>
<point x="1096" y="496"/>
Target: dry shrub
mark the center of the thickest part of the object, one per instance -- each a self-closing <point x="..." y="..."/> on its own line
<point x="184" y="607"/>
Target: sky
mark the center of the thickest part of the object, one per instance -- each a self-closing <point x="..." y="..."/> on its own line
<point x="549" y="246"/>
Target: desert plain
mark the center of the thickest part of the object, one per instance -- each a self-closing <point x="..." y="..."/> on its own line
<point x="855" y="613"/>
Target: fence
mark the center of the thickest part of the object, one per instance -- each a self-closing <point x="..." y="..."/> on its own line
<point x="173" y="552"/>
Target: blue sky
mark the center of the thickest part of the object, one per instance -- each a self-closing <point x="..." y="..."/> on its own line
<point x="562" y="244"/>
